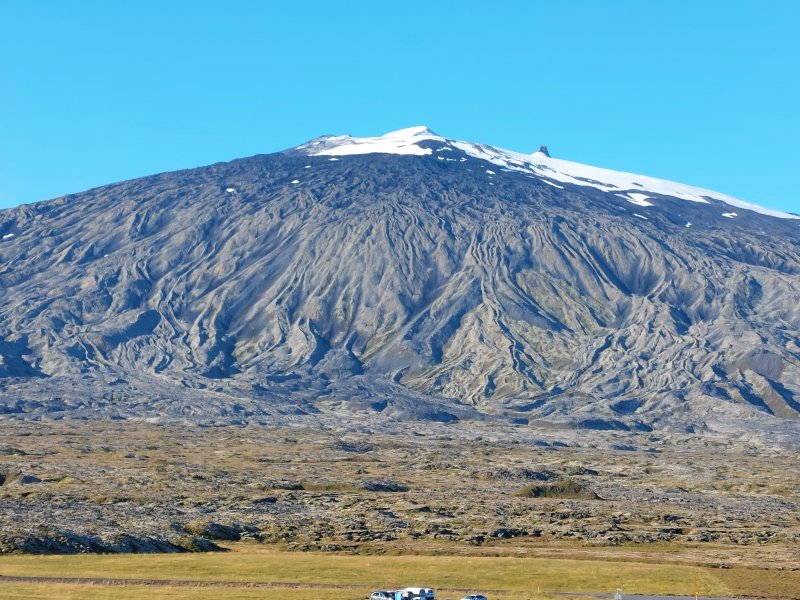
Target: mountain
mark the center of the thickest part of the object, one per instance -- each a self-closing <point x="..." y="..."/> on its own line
<point x="406" y="276"/>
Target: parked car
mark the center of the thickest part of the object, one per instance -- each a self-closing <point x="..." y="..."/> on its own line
<point x="379" y="595"/>
<point x="421" y="593"/>
<point x="475" y="597"/>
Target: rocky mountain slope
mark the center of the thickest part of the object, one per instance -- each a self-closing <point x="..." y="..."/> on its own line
<point x="405" y="276"/>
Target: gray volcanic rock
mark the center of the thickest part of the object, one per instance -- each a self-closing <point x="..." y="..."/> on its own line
<point x="427" y="283"/>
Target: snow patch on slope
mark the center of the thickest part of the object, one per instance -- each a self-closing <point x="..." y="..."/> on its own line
<point x="627" y="185"/>
<point x="637" y="199"/>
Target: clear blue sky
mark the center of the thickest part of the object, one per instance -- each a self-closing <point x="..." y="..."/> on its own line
<point x="702" y="92"/>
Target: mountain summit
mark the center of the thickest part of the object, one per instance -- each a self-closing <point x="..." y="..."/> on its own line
<point x="404" y="276"/>
<point x="412" y="141"/>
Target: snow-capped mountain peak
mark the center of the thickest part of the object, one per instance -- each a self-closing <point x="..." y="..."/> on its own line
<point x="419" y="132"/>
<point x="402" y="141"/>
<point x="461" y="281"/>
<point x="640" y="190"/>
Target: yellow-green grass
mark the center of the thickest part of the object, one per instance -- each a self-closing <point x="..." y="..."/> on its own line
<point x="61" y="591"/>
<point x="762" y="582"/>
<point x="375" y="572"/>
<point x="38" y="591"/>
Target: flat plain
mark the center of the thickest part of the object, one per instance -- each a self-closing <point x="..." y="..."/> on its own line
<point x="523" y="511"/>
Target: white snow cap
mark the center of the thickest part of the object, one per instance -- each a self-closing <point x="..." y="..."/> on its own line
<point x="402" y="141"/>
<point x="629" y="186"/>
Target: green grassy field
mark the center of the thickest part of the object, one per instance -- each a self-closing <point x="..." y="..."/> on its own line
<point x="94" y="592"/>
<point x="523" y="576"/>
